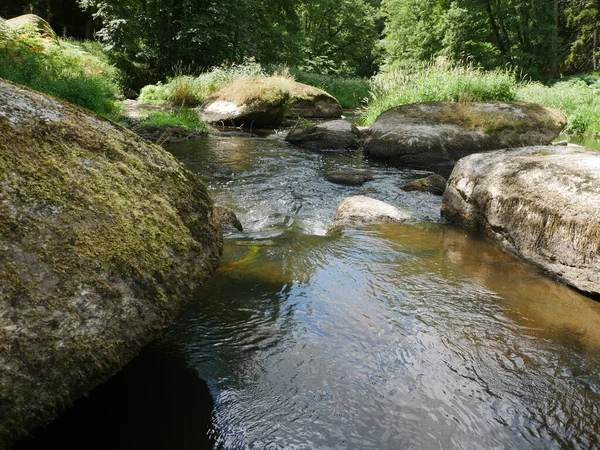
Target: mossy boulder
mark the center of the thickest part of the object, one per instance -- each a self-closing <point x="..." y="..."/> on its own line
<point x="31" y="22"/>
<point x="434" y="135"/>
<point x="312" y="103"/>
<point x="250" y="102"/>
<point x="332" y="135"/>
<point x="542" y="203"/>
<point x="103" y="238"/>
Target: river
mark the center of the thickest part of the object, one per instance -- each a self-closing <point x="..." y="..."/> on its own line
<point x="398" y="336"/>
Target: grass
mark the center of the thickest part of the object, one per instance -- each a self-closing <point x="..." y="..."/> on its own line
<point x="77" y="72"/>
<point x="577" y="97"/>
<point x="349" y="92"/>
<point x="439" y="81"/>
<point x="190" y="91"/>
<point x="178" y="117"/>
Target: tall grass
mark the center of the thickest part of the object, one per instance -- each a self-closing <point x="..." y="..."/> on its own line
<point x="68" y="70"/>
<point x="579" y="99"/>
<point x="177" y="117"/>
<point x="438" y="81"/>
<point x="186" y="90"/>
<point x="349" y="92"/>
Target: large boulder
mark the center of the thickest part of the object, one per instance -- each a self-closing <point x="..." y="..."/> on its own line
<point x="248" y="102"/>
<point x="103" y="238"/>
<point x="312" y="103"/>
<point x="542" y="203"/>
<point x="31" y="22"/>
<point x="361" y="210"/>
<point x="332" y="135"/>
<point x="434" y="135"/>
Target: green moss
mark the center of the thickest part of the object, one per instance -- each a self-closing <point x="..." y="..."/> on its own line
<point x="91" y="217"/>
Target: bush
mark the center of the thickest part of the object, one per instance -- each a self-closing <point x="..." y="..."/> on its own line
<point x="66" y="70"/>
<point x="438" y="81"/>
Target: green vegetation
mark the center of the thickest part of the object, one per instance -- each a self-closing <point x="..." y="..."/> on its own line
<point x="350" y="92"/>
<point x="178" y="117"/>
<point x="440" y="81"/>
<point x="577" y="97"/>
<point x="77" y="72"/>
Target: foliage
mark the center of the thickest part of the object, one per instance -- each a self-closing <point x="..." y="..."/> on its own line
<point x="439" y="81"/>
<point x="72" y="71"/>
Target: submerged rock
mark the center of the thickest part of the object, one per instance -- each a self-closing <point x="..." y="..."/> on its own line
<point x="363" y="210"/>
<point x="434" y="184"/>
<point x="543" y="203"/>
<point x="103" y="238"/>
<point x="332" y="135"/>
<point x="311" y="102"/>
<point x="348" y="177"/>
<point x="434" y="135"/>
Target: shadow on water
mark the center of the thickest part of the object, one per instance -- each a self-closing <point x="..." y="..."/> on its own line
<point x="155" y="402"/>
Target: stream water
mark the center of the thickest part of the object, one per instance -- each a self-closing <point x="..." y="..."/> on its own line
<point x="397" y="336"/>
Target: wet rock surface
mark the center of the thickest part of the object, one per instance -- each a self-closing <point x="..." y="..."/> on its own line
<point x="542" y="203"/>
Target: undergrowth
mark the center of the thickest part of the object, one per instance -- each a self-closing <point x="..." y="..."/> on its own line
<point x="178" y="117"/>
<point x="77" y="72"/>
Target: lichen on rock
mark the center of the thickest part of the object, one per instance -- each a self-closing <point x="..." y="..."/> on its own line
<point x="103" y="237"/>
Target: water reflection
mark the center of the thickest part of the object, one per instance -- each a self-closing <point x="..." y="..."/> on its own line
<point x="403" y="336"/>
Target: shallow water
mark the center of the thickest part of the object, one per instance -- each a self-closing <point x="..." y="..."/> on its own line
<point x="420" y="335"/>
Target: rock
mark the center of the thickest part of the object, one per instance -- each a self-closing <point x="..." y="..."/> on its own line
<point x="434" y="184"/>
<point x="103" y="238"/>
<point x="332" y="135"/>
<point x="249" y="103"/>
<point x="348" y="177"/>
<point x="311" y="102"/>
<point x="222" y="170"/>
<point x="228" y="219"/>
<point x="434" y="135"/>
<point x="542" y="203"/>
<point x="34" y="23"/>
<point x="364" y="210"/>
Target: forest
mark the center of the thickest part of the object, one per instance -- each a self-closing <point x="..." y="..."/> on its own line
<point x="362" y="49"/>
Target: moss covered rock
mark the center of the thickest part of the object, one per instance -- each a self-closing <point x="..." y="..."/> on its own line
<point x="103" y="238"/>
<point x="248" y="102"/>
<point x="312" y="103"/>
<point x="542" y="203"/>
<point x="434" y="135"/>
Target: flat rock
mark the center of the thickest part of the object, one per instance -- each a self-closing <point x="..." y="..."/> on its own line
<point x="542" y="203"/>
<point x="103" y="238"/>
<point x="434" y="135"/>
<point x="332" y="135"/>
<point x="361" y="210"/>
